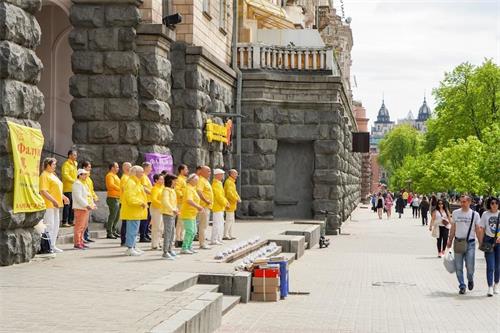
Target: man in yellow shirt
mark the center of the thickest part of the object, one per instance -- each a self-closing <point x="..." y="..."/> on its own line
<point x="180" y="187"/>
<point x="218" y="208"/>
<point x="113" y="200"/>
<point x="68" y="175"/>
<point x="148" y="186"/>
<point x="405" y="196"/>
<point x="204" y="190"/>
<point x="126" y="166"/>
<point x="87" y="166"/>
<point x="233" y="197"/>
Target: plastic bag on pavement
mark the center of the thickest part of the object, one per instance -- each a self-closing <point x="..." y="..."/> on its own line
<point x="449" y="262"/>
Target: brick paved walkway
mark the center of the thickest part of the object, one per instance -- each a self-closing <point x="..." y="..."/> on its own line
<point x="381" y="276"/>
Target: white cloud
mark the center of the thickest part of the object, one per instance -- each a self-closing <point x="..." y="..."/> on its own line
<point x="402" y="48"/>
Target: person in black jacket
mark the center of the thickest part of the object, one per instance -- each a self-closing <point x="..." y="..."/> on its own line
<point x="424" y="210"/>
<point x="400" y="205"/>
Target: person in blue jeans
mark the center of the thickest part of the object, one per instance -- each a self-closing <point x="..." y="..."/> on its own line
<point x="490" y="233"/>
<point x="465" y="225"/>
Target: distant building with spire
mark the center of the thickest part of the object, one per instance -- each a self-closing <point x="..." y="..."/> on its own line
<point x="424" y="113"/>
<point x="381" y="127"/>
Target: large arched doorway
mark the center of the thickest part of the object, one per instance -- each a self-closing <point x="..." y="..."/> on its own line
<point x="55" y="53"/>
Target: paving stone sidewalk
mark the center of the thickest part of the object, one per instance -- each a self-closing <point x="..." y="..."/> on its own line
<point x="380" y="276"/>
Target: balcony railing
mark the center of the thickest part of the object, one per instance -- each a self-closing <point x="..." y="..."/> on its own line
<point x="259" y="56"/>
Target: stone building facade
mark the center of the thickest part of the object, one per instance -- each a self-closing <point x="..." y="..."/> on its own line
<point x="362" y="122"/>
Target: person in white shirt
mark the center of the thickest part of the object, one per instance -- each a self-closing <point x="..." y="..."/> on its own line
<point x="490" y="232"/>
<point x="83" y="203"/>
<point x="465" y="225"/>
<point x="415" y="204"/>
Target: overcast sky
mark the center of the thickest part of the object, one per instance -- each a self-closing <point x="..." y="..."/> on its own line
<point x="403" y="47"/>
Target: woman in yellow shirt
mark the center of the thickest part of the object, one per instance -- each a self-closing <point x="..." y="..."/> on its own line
<point x="156" y="211"/>
<point x="87" y="166"/>
<point x="190" y="207"/>
<point x="134" y="208"/>
<point x="51" y="189"/>
<point x="170" y="211"/>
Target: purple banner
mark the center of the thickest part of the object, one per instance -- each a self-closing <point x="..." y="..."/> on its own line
<point x="159" y="162"/>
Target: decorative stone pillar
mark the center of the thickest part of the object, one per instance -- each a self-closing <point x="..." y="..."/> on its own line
<point x="22" y="102"/>
<point x="105" y="107"/>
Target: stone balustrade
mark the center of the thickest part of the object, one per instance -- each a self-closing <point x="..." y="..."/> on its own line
<point x="260" y="56"/>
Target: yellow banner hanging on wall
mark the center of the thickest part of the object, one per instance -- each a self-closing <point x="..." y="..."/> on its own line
<point x="27" y="145"/>
<point x="220" y="133"/>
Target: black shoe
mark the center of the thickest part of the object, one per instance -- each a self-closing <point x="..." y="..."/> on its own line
<point x="111" y="237"/>
<point x="144" y="240"/>
<point x="462" y="291"/>
<point x="148" y="238"/>
<point x="90" y="240"/>
<point x="178" y="244"/>
<point x="116" y="234"/>
<point x="470" y="285"/>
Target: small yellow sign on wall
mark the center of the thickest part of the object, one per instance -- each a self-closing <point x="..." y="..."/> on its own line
<point x="220" y="133"/>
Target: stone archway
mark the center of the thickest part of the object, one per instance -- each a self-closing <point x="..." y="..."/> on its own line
<point x="55" y="53"/>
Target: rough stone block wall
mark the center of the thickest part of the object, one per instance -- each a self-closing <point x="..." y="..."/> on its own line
<point x="22" y="102"/>
<point x="201" y="88"/>
<point x="365" y="176"/>
<point x="298" y="107"/>
<point x="104" y="87"/>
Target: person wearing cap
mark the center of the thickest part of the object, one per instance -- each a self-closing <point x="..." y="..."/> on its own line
<point x="207" y="197"/>
<point x="218" y="208"/>
<point x="180" y="187"/>
<point x="83" y="203"/>
<point x="126" y="166"/>
<point x="233" y="197"/>
<point x="134" y="208"/>
<point x="190" y="207"/>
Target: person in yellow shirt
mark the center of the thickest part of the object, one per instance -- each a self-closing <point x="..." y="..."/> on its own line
<point x="169" y="211"/>
<point x="68" y="175"/>
<point x="156" y="211"/>
<point x="87" y="166"/>
<point x="190" y="207"/>
<point x="218" y="208"/>
<point x="207" y="197"/>
<point x="180" y="187"/>
<point x="134" y="208"/>
<point x="51" y="189"/>
<point x="114" y="191"/>
<point x="233" y="197"/>
<point x="123" y="180"/>
<point x="148" y="186"/>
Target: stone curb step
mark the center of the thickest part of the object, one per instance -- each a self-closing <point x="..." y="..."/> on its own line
<point x="229" y="302"/>
<point x="171" y="282"/>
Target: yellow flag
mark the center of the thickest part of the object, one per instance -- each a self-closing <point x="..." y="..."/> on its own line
<point x="27" y="145"/>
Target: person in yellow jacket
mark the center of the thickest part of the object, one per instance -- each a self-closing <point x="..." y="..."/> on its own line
<point x="180" y="187"/>
<point x="68" y="175"/>
<point x="233" y="197"/>
<point x="113" y="192"/>
<point x="134" y="208"/>
<point x="207" y="197"/>
<point x="87" y="166"/>
<point x="190" y="207"/>
<point x="218" y="208"/>
<point x="148" y="186"/>
<point x="126" y="166"/>
<point x="169" y="211"/>
<point x="156" y="211"/>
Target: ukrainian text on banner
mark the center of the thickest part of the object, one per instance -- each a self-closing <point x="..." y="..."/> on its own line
<point x="27" y="145"/>
<point x="159" y="162"/>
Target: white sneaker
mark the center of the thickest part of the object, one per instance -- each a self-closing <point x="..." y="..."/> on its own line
<point x="490" y="291"/>
<point x="57" y="250"/>
<point x="214" y="243"/>
<point x="496" y="288"/>
<point x="186" y="252"/>
<point x="204" y="247"/>
<point x="132" y="252"/>
<point x="219" y="243"/>
<point x="167" y="256"/>
<point x="173" y="254"/>
<point x="138" y="250"/>
<point x="193" y="250"/>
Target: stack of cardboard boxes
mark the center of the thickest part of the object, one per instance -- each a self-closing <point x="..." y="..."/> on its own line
<point x="266" y="282"/>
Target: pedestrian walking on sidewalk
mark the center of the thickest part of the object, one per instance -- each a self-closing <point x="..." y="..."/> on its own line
<point x="415" y="204"/>
<point x="440" y="226"/>
<point x="219" y="206"/>
<point x="156" y="211"/>
<point x="51" y="189"/>
<point x="388" y="202"/>
<point x="400" y="205"/>
<point x="169" y="211"/>
<point x="83" y="203"/>
<point x="113" y="191"/>
<point x="424" y="210"/>
<point x="234" y="198"/>
<point x="190" y="207"/>
<point x="490" y="233"/>
<point x="134" y="208"/>
<point x="464" y="228"/>
<point x="380" y="205"/>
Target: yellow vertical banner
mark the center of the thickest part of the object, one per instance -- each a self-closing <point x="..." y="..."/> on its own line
<point x="27" y="145"/>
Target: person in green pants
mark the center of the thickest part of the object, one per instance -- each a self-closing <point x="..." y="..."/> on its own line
<point x="113" y="200"/>
<point x="190" y="207"/>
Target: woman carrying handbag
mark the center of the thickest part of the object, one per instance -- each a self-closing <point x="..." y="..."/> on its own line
<point x="490" y="244"/>
<point x="440" y="226"/>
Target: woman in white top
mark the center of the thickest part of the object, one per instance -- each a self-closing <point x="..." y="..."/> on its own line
<point x="415" y="206"/>
<point x="490" y="233"/>
<point x="83" y="203"/>
<point x="440" y="226"/>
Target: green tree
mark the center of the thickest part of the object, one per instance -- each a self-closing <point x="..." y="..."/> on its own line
<point x="400" y="142"/>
